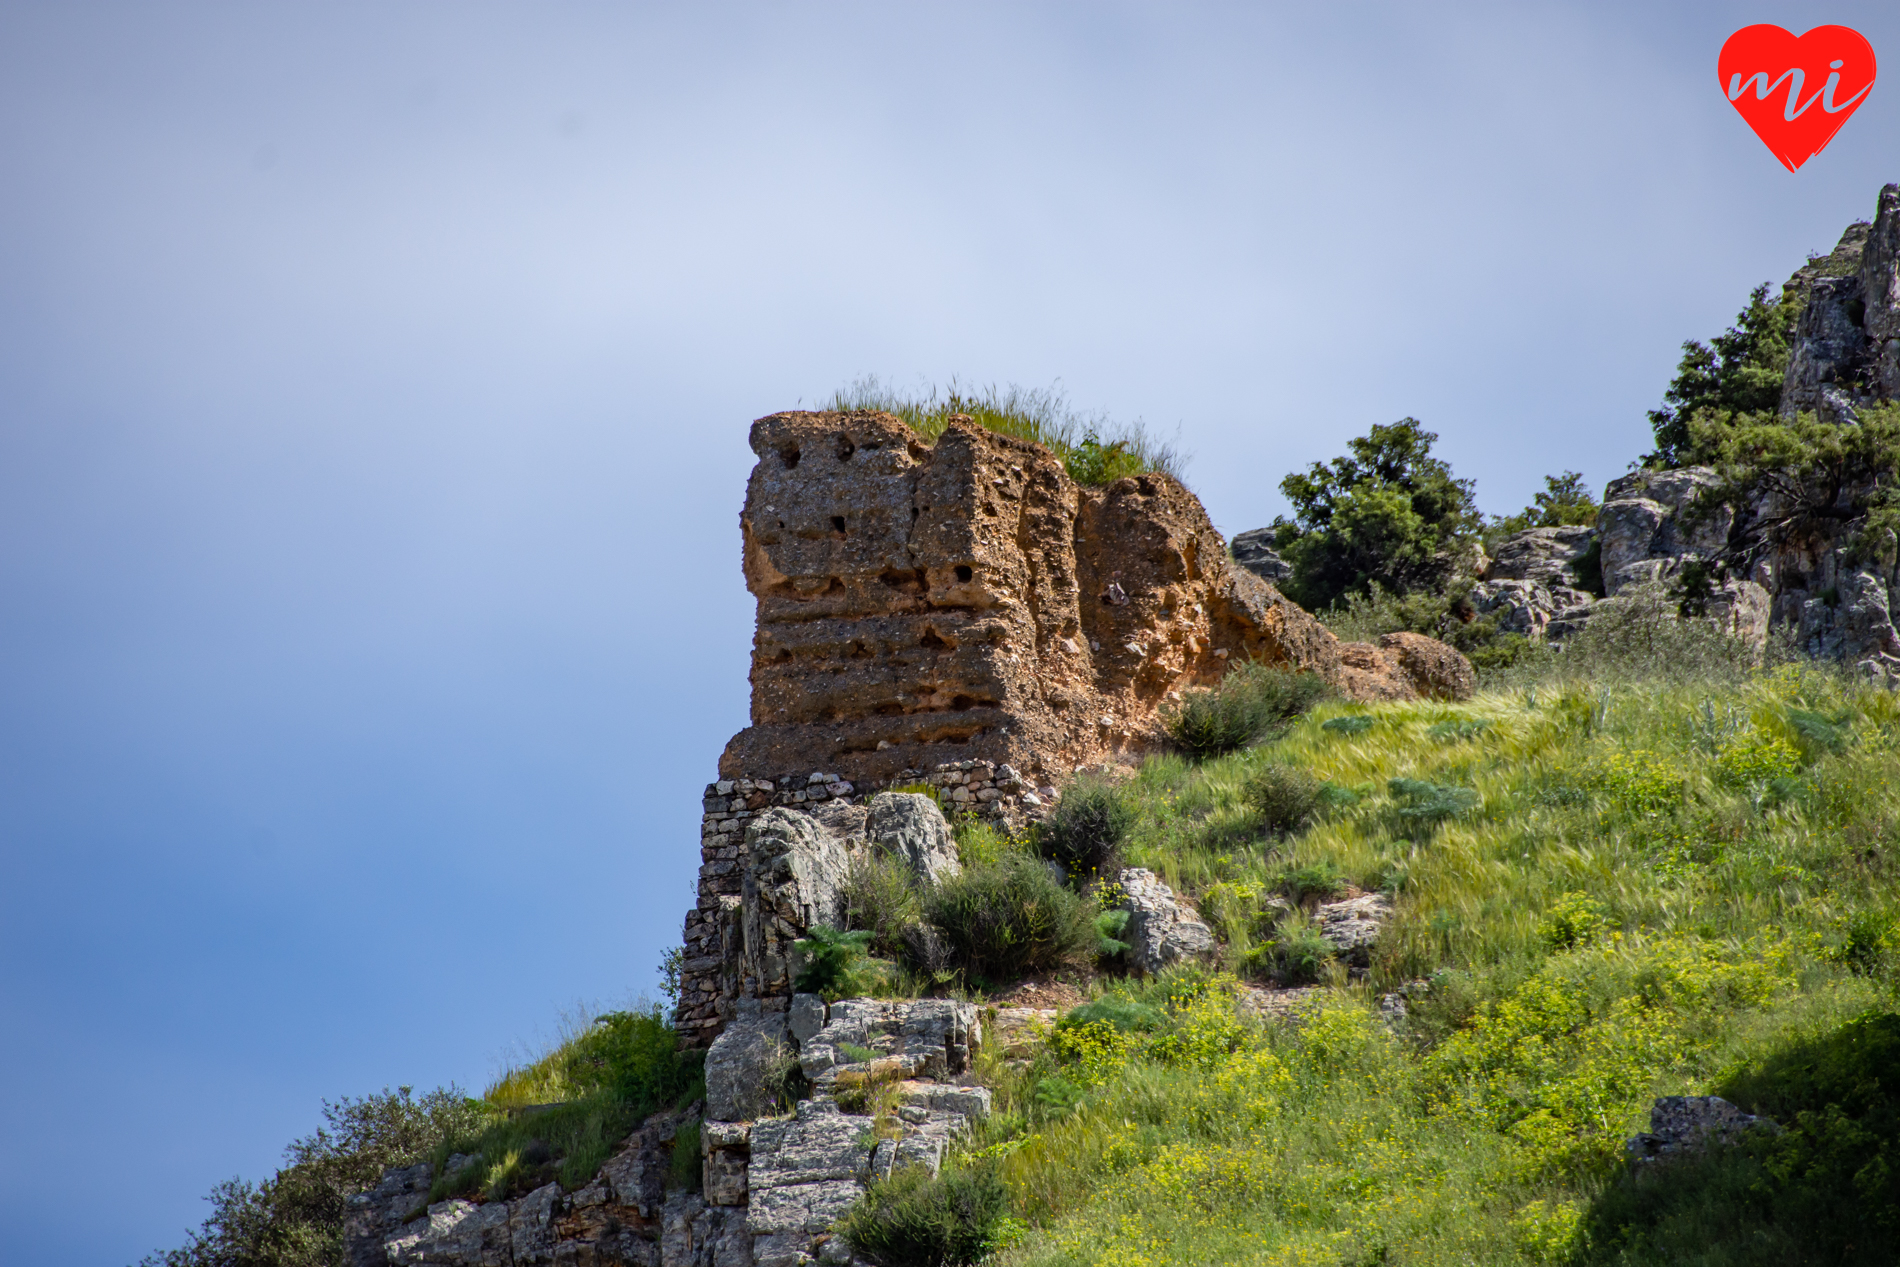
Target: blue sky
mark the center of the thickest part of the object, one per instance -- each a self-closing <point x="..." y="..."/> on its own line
<point x="374" y="383"/>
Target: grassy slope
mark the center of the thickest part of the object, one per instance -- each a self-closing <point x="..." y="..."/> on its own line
<point x="1659" y="888"/>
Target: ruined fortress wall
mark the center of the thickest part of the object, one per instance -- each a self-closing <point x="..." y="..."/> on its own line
<point x="924" y="604"/>
<point x="961" y="614"/>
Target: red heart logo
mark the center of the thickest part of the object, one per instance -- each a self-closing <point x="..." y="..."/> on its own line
<point x="1796" y="92"/>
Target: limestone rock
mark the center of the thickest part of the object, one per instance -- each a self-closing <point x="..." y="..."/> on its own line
<point x="1161" y="929"/>
<point x="1547" y="556"/>
<point x="1352" y="926"/>
<point x="794" y="879"/>
<point x="936" y="1036"/>
<point x="807" y="1169"/>
<point x="1254" y="551"/>
<point x="1646" y="530"/>
<point x="1685" y="1123"/>
<point x="806" y="1017"/>
<point x="737" y="1066"/>
<point x="908" y="825"/>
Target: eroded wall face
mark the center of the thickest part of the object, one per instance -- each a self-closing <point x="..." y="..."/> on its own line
<point x="924" y="604"/>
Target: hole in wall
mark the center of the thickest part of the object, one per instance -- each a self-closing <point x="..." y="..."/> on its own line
<point x="931" y="640"/>
<point x="965" y="572"/>
<point x="845" y="448"/>
<point x="837" y="524"/>
<point x="789" y="457"/>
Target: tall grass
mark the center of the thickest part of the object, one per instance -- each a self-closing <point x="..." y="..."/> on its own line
<point x="1094" y="448"/>
<point x="1654" y="883"/>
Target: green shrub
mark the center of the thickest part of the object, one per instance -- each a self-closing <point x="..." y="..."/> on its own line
<point x="1003" y="921"/>
<point x="913" y="1219"/>
<point x="1109" y="927"/>
<point x="831" y="959"/>
<point x="1286" y="797"/>
<point x="1296" y="954"/>
<point x="1823" y="1189"/>
<point x="1316" y="881"/>
<point x="1086" y="830"/>
<point x="1422" y="804"/>
<point x="881" y="898"/>
<point x="1351" y="724"/>
<point x="295" y="1218"/>
<point x="1250" y="701"/>
<point x="1123" y="1013"/>
<point x="1575" y="920"/>
<point x="622" y="1067"/>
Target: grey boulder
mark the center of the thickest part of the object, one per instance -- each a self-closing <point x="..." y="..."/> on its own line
<point x="1161" y="929"/>
<point x="908" y="825"/>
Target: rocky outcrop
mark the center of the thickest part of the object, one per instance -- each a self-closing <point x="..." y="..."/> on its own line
<point x="624" y="1216"/>
<point x="1161" y="928"/>
<point x="1254" y="551"/>
<point x="1680" y="1124"/>
<point x="1352" y="926"/>
<point x="909" y="826"/>
<point x="1405" y="666"/>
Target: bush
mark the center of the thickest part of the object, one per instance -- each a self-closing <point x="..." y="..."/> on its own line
<point x="1002" y="921"/>
<point x="1086" y="831"/>
<point x="620" y="1068"/>
<point x="295" y="1219"/>
<point x="1390" y="516"/>
<point x="914" y="1219"/>
<point x="1124" y="1014"/>
<point x="1641" y="635"/>
<point x="1250" y="701"/>
<point x="1823" y="1189"/>
<point x="881" y="898"/>
<point x="1295" y="955"/>
<point x="1286" y="797"/>
<point x="831" y="961"/>
<point x="1314" y="882"/>
<point x="1423" y="805"/>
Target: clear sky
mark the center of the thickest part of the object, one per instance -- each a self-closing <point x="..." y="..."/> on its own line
<point x="374" y="383"/>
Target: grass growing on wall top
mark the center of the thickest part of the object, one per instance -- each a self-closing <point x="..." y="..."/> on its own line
<point x="1094" y="449"/>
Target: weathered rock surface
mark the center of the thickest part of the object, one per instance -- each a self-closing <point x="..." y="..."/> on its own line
<point x="934" y="1037"/>
<point x="1254" y="551"/>
<point x="1405" y="666"/>
<point x="794" y="879"/>
<point x="1161" y="928"/>
<point x="1685" y="1123"/>
<point x="738" y="1064"/>
<point x="908" y="825"/>
<point x="1352" y="926"/>
<point x="623" y="1217"/>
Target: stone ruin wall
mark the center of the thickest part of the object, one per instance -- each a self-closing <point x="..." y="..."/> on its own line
<point x="965" y="615"/>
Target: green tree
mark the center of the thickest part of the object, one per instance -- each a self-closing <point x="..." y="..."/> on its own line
<point x="295" y="1218"/>
<point x="1564" y="503"/>
<point x="1736" y="373"/>
<point x="1389" y="515"/>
